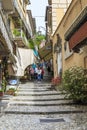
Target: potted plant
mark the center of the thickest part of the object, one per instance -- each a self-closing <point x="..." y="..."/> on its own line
<point x="1" y="92"/>
<point x="56" y="81"/>
<point x="11" y="91"/>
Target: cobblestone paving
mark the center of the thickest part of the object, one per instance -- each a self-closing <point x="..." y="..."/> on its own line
<point x="31" y="111"/>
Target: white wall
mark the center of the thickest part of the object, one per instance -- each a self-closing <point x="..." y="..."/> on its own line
<point x="27" y="58"/>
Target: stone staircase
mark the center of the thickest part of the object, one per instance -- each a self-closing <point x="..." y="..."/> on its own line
<point x="45" y="107"/>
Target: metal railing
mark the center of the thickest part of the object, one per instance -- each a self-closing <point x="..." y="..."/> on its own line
<point x="20" y="35"/>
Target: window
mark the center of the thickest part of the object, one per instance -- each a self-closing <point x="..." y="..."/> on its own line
<point x="68" y="53"/>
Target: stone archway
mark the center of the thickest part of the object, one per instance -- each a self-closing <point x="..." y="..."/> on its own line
<point x="27" y="73"/>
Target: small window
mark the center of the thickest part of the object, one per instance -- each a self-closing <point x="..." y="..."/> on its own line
<point x="65" y="46"/>
<point x="68" y="52"/>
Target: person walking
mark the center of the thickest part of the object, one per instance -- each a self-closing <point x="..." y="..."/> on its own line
<point x="35" y="72"/>
<point x="39" y="74"/>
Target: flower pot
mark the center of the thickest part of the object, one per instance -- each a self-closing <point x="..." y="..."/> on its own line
<point x="1" y="93"/>
<point x="10" y="92"/>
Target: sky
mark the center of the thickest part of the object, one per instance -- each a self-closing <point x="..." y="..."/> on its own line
<point x="38" y="8"/>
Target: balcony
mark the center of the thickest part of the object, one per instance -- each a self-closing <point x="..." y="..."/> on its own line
<point x="5" y="33"/>
<point x="6" y="39"/>
<point x="20" y="38"/>
<point x="8" y="5"/>
<point x="20" y="12"/>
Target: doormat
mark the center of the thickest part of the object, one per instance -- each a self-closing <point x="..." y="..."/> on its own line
<point x="51" y="120"/>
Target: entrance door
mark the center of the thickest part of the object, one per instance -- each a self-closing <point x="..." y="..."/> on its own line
<point x="59" y="63"/>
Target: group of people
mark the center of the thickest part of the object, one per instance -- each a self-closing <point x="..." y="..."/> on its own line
<point x="36" y="72"/>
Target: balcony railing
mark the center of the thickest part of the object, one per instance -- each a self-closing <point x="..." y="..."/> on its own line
<point x="4" y="30"/>
<point x="22" y="16"/>
<point x="20" y="38"/>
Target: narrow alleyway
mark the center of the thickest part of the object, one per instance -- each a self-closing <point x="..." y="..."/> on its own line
<point x="38" y="107"/>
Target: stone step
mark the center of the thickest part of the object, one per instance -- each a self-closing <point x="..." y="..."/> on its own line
<point x="41" y="103"/>
<point x="3" y="105"/>
<point x="34" y="90"/>
<point x="38" y="99"/>
<point x="39" y="93"/>
<point x="36" y="86"/>
<point x="32" y="94"/>
<point x="42" y="97"/>
<point x="42" y="112"/>
<point x="44" y="103"/>
<point x="6" y="97"/>
<point x="45" y="110"/>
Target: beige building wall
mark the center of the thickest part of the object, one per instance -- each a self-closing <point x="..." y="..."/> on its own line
<point x="58" y="10"/>
<point x="69" y="58"/>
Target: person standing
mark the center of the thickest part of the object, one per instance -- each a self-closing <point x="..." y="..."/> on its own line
<point x="42" y="73"/>
<point x="31" y="73"/>
<point x="49" y="67"/>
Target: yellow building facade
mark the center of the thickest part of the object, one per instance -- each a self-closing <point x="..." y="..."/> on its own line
<point x="67" y="32"/>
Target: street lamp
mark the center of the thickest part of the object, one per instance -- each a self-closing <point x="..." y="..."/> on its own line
<point x="42" y="28"/>
<point x="48" y="34"/>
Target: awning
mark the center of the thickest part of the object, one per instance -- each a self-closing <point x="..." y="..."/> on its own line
<point x="77" y="32"/>
<point x="48" y="57"/>
<point x="36" y="53"/>
<point x="79" y="38"/>
<point x="46" y="51"/>
<point x="77" y="23"/>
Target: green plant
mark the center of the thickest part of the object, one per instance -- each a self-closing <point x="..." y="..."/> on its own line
<point x="3" y="84"/>
<point x="13" y="89"/>
<point x="1" y="90"/>
<point x="16" y="32"/>
<point x="38" y="39"/>
<point x="31" y="44"/>
<point x="75" y="83"/>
